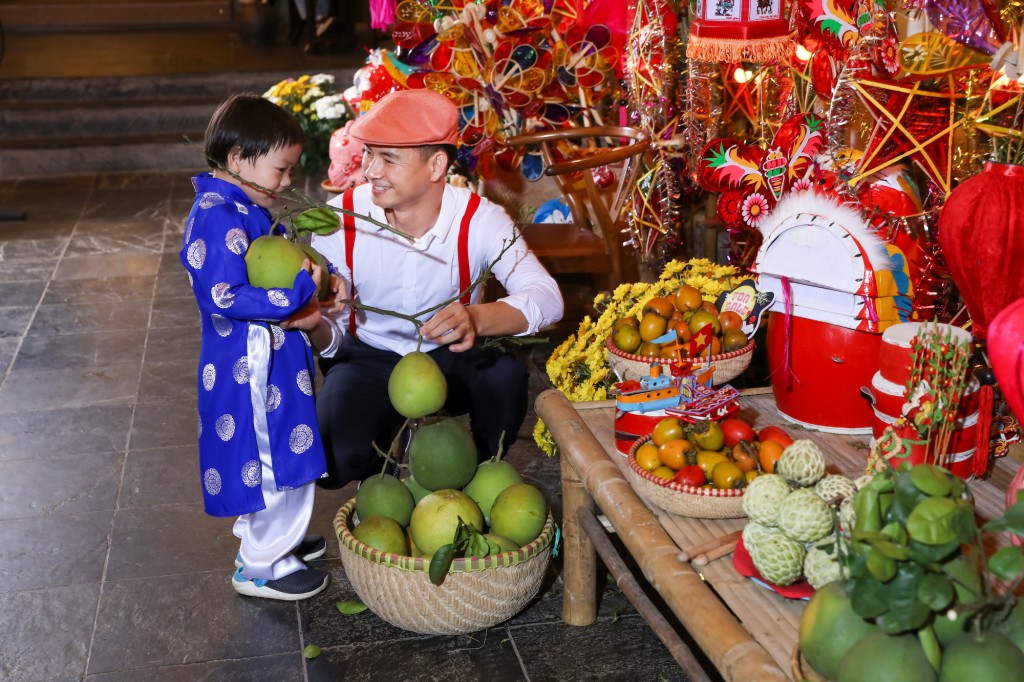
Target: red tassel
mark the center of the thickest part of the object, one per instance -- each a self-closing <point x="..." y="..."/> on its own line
<point x="980" y="462"/>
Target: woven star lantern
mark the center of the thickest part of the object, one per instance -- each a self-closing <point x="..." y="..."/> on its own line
<point x="740" y="31"/>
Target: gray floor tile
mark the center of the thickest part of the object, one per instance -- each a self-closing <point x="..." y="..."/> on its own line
<point x="162" y="476"/>
<point x="34" y="248"/>
<point x="278" y="668"/>
<point x="117" y="236"/>
<point x="162" y="381"/>
<point x="158" y="425"/>
<point x="100" y="266"/>
<point x="53" y="551"/>
<point x="487" y="657"/>
<point x="194" y="617"/>
<point x="122" y="290"/>
<point x="64" y="432"/>
<point x="169" y="540"/>
<point x="61" y="485"/>
<point x="622" y="649"/>
<point x="7" y="350"/>
<point x="174" y="312"/>
<point x="14" y="321"/>
<point x="49" y="640"/>
<point x="175" y="344"/>
<point x="21" y="294"/>
<point x="71" y="387"/>
<point x="27" y="269"/>
<point x="94" y="316"/>
<point x="92" y="349"/>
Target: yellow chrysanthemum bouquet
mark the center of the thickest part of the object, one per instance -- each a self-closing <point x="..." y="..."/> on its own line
<point x="320" y="109"/>
<point x="579" y="368"/>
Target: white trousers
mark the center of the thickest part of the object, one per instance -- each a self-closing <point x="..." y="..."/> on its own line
<point x="268" y="536"/>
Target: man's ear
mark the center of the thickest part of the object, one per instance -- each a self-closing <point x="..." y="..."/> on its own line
<point x="438" y="166"/>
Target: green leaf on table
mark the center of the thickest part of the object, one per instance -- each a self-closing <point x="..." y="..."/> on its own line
<point x="1007" y="562"/>
<point x="933" y="521"/>
<point x="350" y="607"/>
<point x="311" y="651"/>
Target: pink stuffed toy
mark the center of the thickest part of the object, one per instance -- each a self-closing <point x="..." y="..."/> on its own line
<point x="345" y="171"/>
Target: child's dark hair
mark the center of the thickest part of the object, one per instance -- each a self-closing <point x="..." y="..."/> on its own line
<point x="254" y="125"/>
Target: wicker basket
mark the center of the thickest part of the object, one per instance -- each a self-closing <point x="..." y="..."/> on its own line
<point x="684" y="500"/>
<point x="728" y="366"/>
<point x="801" y="670"/>
<point x="476" y="594"/>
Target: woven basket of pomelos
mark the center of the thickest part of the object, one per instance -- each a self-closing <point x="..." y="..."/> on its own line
<point x="701" y="470"/>
<point x="681" y="329"/>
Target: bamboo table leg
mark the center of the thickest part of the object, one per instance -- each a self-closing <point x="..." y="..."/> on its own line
<point x="579" y="600"/>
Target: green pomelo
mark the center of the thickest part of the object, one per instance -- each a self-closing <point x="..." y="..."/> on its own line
<point x="519" y="512"/>
<point x="436" y="518"/>
<point x="988" y="656"/>
<point x="442" y="455"/>
<point x="1013" y="626"/>
<point x="385" y="495"/>
<point x="324" y="293"/>
<point x="490" y="479"/>
<point x="416" y="386"/>
<point x="272" y="262"/>
<point x="948" y="630"/>
<point x="503" y="543"/>
<point x="383" y="533"/>
<point x="879" y="657"/>
<point x="418" y="491"/>
<point x="829" y="627"/>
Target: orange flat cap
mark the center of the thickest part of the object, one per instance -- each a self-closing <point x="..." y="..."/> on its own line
<point x="408" y="118"/>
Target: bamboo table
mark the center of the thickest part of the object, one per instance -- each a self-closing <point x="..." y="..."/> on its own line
<point x="747" y="631"/>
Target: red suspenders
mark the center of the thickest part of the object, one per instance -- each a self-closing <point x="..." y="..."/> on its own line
<point x="465" y="274"/>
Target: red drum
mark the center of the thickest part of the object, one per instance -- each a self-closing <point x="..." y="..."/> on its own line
<point x="828" y="365"/>
<point x="894" y="355"/>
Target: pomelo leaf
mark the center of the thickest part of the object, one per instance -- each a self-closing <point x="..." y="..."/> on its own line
<point x="935" y="591"/>
<point x="1007" y="562"/>
<point x="440" y="563"/>
<point x="868" y="597"/>
<point x="320" y="220"/>
<point x="350" y="607"/>
<point x="311" y="651"/>
<point x="932" y="521"/>
<point x="478" y="546"/>
<point x="932" y="480"/>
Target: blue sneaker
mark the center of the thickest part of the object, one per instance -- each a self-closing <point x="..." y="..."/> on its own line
<point x="312" y="547"/>
<point x="293" y="587"/>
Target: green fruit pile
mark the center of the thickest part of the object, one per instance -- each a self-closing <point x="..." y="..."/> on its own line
<point x="922" y="600"/>
<point x="449" y="505"/>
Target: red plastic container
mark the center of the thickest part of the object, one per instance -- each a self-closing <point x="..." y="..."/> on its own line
<point x="829" y="364"/>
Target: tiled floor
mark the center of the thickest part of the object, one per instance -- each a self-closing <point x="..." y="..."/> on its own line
<point x="109" y="570"/>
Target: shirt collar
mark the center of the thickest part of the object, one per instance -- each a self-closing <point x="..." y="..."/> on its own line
<point x="441" y="228"/>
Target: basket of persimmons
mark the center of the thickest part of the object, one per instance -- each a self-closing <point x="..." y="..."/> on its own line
<point x="701" y="469"/>
<point x="632" y="346"/>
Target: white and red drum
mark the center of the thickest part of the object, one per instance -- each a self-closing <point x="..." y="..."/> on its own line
<point x="894" y="357"/>
<point x="959" y="463"/>
<point x="829" y="365"/>
<point x="888" y="398"/>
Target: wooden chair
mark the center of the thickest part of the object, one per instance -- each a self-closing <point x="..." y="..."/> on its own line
<point x="592" y="242"/>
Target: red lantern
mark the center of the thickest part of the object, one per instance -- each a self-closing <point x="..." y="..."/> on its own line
<point x="740" y="31"/>
<point x="981" y="231"/>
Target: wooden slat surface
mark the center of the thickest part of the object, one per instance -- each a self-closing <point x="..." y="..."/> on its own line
<point x="771" y="619"/>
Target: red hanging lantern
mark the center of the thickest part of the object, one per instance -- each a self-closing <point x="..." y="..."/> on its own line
<point x="981" y="231"/>
<point x="740" y="31"/>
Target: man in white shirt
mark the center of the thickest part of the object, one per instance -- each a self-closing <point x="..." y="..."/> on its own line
<point x="410" y="139"/>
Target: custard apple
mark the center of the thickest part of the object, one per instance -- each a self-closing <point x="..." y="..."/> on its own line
<point x="801" y="463"/>
<point x="835" y="486"/>
<point x="778" y="559"/>
<point x="821" y="565"/>
<point x="862" y="481"/>
<point x="804" y="516"/>
<point x="752" y="532"/>
<point x="763" y="496"/>
<point x="847" y="517"/>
